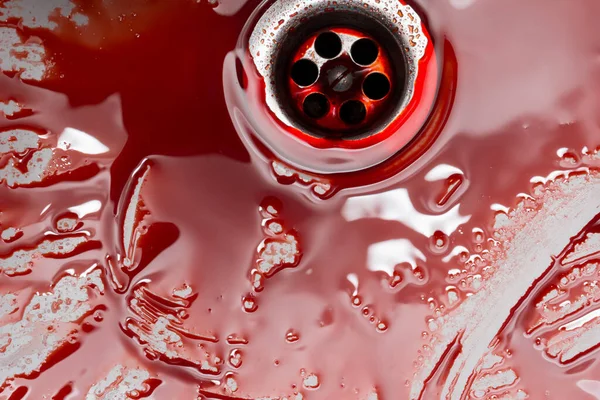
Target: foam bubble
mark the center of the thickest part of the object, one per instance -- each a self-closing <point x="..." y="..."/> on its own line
<point x="22" y="261"/>
<point x="49" y="321"/>
<point x="119" y="383"/>
<point x="41" y="14"/>
<point x="28" y="58"/>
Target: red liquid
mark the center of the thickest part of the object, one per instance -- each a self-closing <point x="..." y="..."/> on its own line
<point x="212" y="211"/>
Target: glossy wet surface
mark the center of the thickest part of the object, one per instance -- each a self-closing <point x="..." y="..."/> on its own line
<point x="148" y="251"/>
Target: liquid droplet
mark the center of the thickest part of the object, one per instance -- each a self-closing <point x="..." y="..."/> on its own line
<point x="249" y="303"/>
<point x="292" y="336"/>
<point x="439" y="242"/>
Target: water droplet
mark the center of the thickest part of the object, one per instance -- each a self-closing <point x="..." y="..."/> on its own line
<point x="291" y="336"/>
<point x="439" y="242"/>
<point x="395" y="279"/>
<point x="478" y="236"/>
<point x="236" y="339"/>
<point x="249" y="303"/>
<point x="311" y="381"/>
<point x="231" y="384"/>
<point x="235" y="358"/>
<point x="382" y="326"/>
<point x="453" y="295"/>
<point x="326" y="317"/>
<point x="568" y="158"/>
<point x="98" y="316"/>
<point x="451" y="186"/>
<point x="419" y="273"/>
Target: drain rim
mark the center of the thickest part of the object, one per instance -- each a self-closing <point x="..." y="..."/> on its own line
<point x="275" y="33"/>
<point x="263" y="131"/>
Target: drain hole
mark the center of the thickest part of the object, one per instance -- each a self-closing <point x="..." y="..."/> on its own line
<point x="328" y="45"/>
<point x="376" y="86"/>
<point x="364" y="52"/>
<point x="305" y="72"/>
<point x="316" y="105"/>
<point x="353" y="112"/>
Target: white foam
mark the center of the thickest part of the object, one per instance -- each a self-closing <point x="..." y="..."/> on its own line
<point x="183" y="292"/>
<point x="36" y="168"/>
<point x="27" y="58"/>
<point x="9" y="233"/>
<point x="21" y="261"/>
<point x="494" y="380"/>
<point x="276" y="254"/>
<point x="41" y="14"/>
<point x="119" y="383"/>
<point x="131" y="222"/>
<point x="18" y="140"/>
<point x="8" y="304"/>
<point x="589" y="246"/>
<point x="566" y="345"/>
<point x="46" y="325"/>
<point x="159" y="334"/>
<point x="530" y="238"/>
<point x="318" y="185"/>
<point x="311" y="381"/>
<point x="10" y="108"/>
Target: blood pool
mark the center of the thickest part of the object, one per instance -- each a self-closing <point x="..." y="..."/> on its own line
<point x="149" y="249"/>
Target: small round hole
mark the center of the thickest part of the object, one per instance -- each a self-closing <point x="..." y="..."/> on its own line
<point x="328" y="45"/>
<point x="305" y="72"/>
<point x="316" y="105"/>
<point x="364" y="52"/>
<point x="376" y="86"/>
<point x="353" y="112"/>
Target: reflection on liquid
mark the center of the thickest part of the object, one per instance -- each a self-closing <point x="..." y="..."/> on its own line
<point x="74" y="139"/>
<point x="395" y="205"/>
<point x="384" y="256"/>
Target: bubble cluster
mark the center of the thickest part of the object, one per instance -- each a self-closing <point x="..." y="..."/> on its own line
<point x="25" y="57"/>
<point x="235" y="358"/>
<point x="310" y="381"/>
<point x="46" y="15"/>
<point x="133" y="225"/>
<point x="21" y="262"/>
<point x="495" y="279"/>
<point x="10" y="108"/>
<point x="122" y="383"/>
<point x="67" y="223"/>
<point x="10" y="234"/>
<point x="160" y="331"/>
<point x="279" y="250"/>
<point x="49" y="322"/>
<point x="287" y="175"/>
<point x="249" y="303"/>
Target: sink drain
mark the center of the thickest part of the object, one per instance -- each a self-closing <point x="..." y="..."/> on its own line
<point x="341" y="82"/>
<point x="339" y="76"/>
